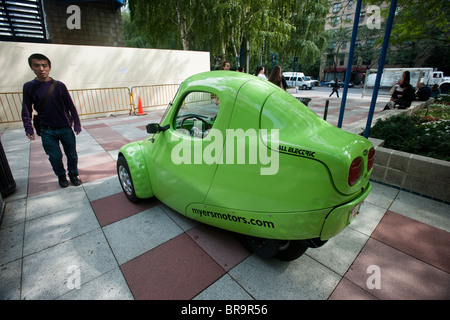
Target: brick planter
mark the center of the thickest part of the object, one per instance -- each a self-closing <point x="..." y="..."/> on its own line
<point x="422" y="175"/>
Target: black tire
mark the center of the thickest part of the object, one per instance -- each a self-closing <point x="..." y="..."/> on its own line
<point x="265" y="248"/>
<point x="291" y="250"/>
<point x="126" y="181"/>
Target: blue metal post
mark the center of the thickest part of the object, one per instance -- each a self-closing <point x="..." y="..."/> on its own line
<point x="348" y="73"/>
<point x="376" y="87"/>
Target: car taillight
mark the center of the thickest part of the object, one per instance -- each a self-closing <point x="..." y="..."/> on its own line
<point x="370" y="159"/>
<point x="355" y="171"/>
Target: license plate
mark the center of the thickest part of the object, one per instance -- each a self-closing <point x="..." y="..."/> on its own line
<point x="354" y="213"/>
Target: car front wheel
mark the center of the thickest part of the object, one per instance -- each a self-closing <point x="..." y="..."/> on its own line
<point x="126" y="181"/>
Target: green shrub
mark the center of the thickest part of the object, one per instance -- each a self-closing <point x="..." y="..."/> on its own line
<point x="424" y="135"/>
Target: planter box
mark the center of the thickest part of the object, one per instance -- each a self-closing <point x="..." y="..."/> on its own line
<point x="422" y="175"/>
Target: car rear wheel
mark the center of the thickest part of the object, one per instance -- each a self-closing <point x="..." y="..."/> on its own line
<point x="290" y="250"/>
<point x="126" y="181"/>
<point x="265" y="248"/>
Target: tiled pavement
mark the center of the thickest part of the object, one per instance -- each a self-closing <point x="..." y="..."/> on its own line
<point x="89" y="242"/>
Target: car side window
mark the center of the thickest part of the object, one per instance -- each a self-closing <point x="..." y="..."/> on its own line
<point x="197" y="114"/>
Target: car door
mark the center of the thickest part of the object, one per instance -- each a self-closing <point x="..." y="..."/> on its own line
<point x="185" y="156"/>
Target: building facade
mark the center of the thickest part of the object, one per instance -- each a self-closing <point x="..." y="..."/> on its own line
<point x="339" y="23"/>
<point x="88" y="22"/>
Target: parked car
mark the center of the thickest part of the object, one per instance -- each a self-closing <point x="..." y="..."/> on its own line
<point x="341" y="84"/>
<point x="299" y="80"/>
<point x="239" y="153"/>
<point x="314" y="82"/>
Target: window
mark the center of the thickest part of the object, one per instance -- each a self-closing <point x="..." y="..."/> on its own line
<point x="22" y="21"/>
<point x="337" y="7"/>
<point x="350" y="5"/>
<point x="197" y="114"/>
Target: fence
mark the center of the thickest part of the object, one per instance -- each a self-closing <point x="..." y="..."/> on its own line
<point x="97" y="101"/>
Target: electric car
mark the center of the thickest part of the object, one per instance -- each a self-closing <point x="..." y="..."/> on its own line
<point x="236" y="152"/>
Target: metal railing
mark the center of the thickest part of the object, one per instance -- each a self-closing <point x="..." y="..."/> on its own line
<point x="153" y="96"/>
<point x="97" y="101"/>
<point x="10" y="107"/>
<point x="102" y="100"/>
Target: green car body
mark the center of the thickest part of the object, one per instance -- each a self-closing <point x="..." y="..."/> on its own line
<point x="291" y="183"/>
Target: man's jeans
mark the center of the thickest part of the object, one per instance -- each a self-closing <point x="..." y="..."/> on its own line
<point x="50" y="142"/>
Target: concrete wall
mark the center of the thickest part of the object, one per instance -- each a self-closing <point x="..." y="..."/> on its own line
<point x="87" y="67"/>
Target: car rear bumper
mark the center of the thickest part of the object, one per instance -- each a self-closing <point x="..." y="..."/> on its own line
<point x="340" y="217"/>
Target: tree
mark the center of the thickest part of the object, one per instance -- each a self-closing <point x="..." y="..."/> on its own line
<point x="226" y="27"/>
<point x="420" y="33"/>
<point x="339" y="38"/>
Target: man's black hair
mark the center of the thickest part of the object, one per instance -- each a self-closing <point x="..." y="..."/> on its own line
<point x="39" y="56"/>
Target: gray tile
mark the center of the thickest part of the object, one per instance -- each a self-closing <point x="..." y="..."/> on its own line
<point x="55" y="228"/>
<point x="59" y="200"/>
<point x="182" y="221"/>
<point x="101" y="188"/>
<point x="368" y="218"/>
<point x="48" y="274"/>
<point x="14" y="213"/>
<point x="11" y="240"/>
<point x="109" y="286"/>
<point x="224" y="289"/>
<point x="340" y="251"/>
<point x="381" y="195"/>
<point x="139" y="233"/>
<point x="10" y="278"/>
<point x="431" y="212"/>
<point x="278" y="280"/>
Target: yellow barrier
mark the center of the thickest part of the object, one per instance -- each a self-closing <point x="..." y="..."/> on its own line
<point x="97" y="101"/>
<point x="10" y="107"/>
<point x="154" y="96"/>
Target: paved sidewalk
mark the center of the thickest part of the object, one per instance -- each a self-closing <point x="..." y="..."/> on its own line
<point x="89" y="242"/>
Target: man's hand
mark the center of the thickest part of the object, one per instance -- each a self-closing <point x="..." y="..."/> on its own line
<point x="77" y="132"/>
<point x="30" y="136"/>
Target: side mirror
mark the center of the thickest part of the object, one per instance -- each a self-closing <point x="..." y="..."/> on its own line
<point x="156" y="128"/>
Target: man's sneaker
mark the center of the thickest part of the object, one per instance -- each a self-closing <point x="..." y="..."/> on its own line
<point x="62" y="180"/>
<point x="75" y="180"/>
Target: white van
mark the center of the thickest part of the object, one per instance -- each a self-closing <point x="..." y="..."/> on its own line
<point x="298" y="79"/>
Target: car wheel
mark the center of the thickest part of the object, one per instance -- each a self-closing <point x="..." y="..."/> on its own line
<point x="265" y="248"/>
<point x="125" y="179"/>
<point x="304" y="87"/>
<point x="290" y="250"/>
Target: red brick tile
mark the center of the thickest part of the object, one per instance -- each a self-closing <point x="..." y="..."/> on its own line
<point x="415" y="238"/>
<point x="99" y="171"/>
<point x="221" y="245"/>
<point x="401" y="276"/>
<point x="116" y="207"/>
<point x="177" y="269"/>
<point x="347" y="290"/>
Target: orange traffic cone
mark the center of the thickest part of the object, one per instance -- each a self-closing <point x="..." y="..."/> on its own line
<point x="140" y="110"/>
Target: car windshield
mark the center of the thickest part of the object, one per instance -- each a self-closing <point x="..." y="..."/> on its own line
<point x="197" y="108"/>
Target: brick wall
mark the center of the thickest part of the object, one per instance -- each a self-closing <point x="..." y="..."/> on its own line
<point x="101" y="25"/>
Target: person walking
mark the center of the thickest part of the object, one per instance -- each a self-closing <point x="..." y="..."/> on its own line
<point x="56" y="112"/>
<point x="335" y="88"/>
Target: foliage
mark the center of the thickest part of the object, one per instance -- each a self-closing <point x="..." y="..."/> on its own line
<point x="226" y="28"/>
<point x="426" y="133"/>
<point x="420" y="34"/>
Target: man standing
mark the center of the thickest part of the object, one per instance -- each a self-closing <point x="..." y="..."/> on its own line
<point x="56" y="113"/>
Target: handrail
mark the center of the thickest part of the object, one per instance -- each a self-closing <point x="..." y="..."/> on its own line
<point x="97" y="100"/>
